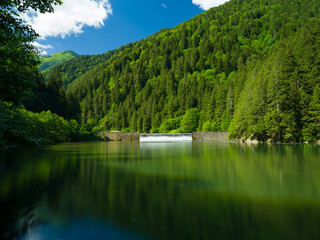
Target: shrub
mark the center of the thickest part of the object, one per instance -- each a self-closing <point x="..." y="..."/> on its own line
<point x="190" y="120"/>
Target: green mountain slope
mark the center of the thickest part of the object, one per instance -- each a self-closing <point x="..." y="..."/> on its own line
<point x="281" y="97"/>
<point x="52" y="60"/>
<point x="198" y="74"/>
<point x="74" y="68"/>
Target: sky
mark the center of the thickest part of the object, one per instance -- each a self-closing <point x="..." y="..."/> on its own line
<point x="97" y="26"/>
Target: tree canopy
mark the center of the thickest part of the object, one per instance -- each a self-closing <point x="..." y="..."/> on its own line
<point x="204" y="64"/>
<point x="247" y="67"/>
<point x="18" y="57"/>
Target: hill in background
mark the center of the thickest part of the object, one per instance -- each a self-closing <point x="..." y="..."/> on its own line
<point x="52" y="60"/>
<point x="247" y="67"/>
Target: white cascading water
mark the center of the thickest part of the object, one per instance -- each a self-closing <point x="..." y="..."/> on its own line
<point x="162" y="137"/>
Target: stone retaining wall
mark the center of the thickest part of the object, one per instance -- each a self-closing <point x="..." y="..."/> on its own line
<point x="210" y="136"/>
<point x="120" y="136"/>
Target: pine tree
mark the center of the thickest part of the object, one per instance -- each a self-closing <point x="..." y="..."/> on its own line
<point x="311" y="130"/>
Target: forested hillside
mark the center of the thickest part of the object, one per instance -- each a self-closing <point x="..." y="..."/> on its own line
<point x="199" y="73"/>
<point x="281" y="96"/>
<point x="75" y="67"/>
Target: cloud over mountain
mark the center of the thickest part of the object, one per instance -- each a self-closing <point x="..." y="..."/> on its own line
<point x="70" y="18"/>
<point x="206" y="4"/>
<point x="42" y="47"/>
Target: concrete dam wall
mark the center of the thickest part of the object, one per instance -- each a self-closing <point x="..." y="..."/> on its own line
<point x="211" y="136"/>
<point x="120" y="136"/>
<point x="164" y="137"/>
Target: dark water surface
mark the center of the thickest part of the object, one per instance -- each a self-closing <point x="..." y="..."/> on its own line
<point x="187" y="190"/>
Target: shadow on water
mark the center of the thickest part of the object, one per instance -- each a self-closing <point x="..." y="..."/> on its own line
<point x="190" y="190"/>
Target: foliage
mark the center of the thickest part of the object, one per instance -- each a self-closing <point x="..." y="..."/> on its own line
<point x="190" y="120"/>
<point x="18" y="57"/>
<point x="247" y="67"/>
<point x="170" y="124"/>
<point x="280" y="100"/>
<point x="52" y="60"/>
<point x="211" y="62"/>
<point x="19" y="77"/>
<point x="19" y="126"/>
<point x="75" y="67"/>
<point x="311" y="129"/>
<point x="52" y="96"/>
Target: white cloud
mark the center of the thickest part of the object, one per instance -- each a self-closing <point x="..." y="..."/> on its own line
<point x="41" y="47"/>
<point x="206" y="4"/>
<point x="38" y="45"/>
<point x="163" y="5"/>
<point x="70" y="18"/>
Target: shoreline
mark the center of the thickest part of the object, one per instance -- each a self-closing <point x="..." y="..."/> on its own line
<point x="124" y="137"/>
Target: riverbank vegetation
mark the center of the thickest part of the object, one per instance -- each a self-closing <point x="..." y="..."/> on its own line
<point x="21" y="127"/>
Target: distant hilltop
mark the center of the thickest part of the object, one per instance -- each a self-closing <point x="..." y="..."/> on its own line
<point x="52" y="60"/>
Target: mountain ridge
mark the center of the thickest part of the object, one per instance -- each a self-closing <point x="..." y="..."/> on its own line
<point x="200" y="66"/>
<point x="55" y="59"/>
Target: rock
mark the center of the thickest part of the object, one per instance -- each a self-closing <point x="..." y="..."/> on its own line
<point x="269" y="140"/>
<point x="252" y="141"/>
<point x="318" y="142"/>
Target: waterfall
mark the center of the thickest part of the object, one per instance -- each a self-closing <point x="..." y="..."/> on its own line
<point x="165" y="137"/>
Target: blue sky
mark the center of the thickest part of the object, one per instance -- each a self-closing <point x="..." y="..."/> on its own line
<point x="96" y="26"/>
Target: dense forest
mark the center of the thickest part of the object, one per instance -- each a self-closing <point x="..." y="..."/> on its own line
<point x="75" y="67"/>
<point x="281" y="96"/>
<point x="201" y="75"/>
<point x="250" y="67"/>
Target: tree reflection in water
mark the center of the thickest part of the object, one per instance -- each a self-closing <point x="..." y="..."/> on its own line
<point x="190" y="190"/>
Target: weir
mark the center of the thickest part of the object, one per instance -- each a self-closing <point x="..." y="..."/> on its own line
<point x="165" y="137"/>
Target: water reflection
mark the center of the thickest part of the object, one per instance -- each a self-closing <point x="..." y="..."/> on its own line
<point x="188" y="190"/>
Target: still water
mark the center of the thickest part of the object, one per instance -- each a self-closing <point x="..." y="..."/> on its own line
<point x="186" y="190"/>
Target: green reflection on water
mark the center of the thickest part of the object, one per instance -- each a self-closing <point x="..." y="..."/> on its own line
<point x="193" y="190"/>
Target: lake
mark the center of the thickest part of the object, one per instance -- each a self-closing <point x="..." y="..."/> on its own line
<point x="182" y="190"/>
